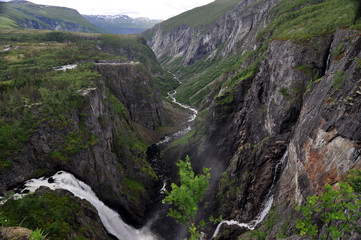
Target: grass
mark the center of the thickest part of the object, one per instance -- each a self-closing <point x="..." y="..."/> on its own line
<point x="298" y="20"/>
<point x="53" y="213"/>
<point x="183" y="140"/>
<point x="135" y="45"/>
<point x="338" y="80"/>
<point x="65" y="17"/>
<point x="301" y="20"/>
<point x="199" y="16"/>
<point x="196" y="90"/>
<point x="32" y="93"/>
<point x="135" y="189"/>
<point x="7" y="22"/>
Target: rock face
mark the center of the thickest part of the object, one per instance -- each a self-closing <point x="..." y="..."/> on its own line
<point x="132" y="85"/>
<point x="326" y="142"/>
<point x="283" y="108"/>
<point x="302" y="105"/>
<point x="238" y="25"/>
<point x="113" y="162"/>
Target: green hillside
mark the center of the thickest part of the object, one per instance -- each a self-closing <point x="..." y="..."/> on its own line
<point x="295" y="20"/>
<point x="201" y="15"/>
<point x="28" y="15"/>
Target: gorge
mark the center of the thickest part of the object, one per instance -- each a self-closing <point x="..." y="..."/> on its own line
<point x="266" y="93"/>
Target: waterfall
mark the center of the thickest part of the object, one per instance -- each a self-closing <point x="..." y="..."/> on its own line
<point x="110" y="218"/>
<point x="265" y="208"/>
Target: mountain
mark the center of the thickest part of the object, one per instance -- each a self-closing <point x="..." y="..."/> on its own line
<point x="94" y="120"/>
<point x="277" y="84"/>
<point x="24" y="14"/>
<point x="121" y="24"/>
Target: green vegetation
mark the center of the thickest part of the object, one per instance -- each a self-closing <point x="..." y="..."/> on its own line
<point x="38" y="234"/>
<point x="301" y="20"/>
<point x="136" y="46"/>
<point x="338" y="209"/>
<point x="32" y="94"/>
<point x="185" y="198"/>
<point x="24" y="12"/>
<point x="196" y="89"/>
<point x="7" y="22"/>
<point x="53" y="213"/>
<point x="200" y="16"/>
<point x="338" y="80"/>
<point x="183" y="140"/>
<point x="338" y="51"/>
<point x="135" y="189"/>
<point x="258" y="234"/>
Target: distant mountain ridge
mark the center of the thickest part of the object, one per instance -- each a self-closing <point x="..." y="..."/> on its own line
<point x="121" y="24"/>
<point x="24" y="14"/>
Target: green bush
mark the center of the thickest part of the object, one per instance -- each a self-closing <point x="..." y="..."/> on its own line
<point x="339" y="210"/>
<point x="184" y="198"/>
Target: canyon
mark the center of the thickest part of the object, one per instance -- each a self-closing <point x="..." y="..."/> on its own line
<point x="273" y="88"/>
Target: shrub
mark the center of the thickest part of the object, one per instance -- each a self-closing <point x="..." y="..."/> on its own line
<point x="339" y="210"/>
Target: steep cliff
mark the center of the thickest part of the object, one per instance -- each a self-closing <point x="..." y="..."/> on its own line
<point x="222" y="36"/>
<point x="94" y="120"/>
<point x="278" y="82"/>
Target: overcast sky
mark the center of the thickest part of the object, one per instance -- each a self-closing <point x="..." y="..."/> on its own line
<point x="155" y="9"/>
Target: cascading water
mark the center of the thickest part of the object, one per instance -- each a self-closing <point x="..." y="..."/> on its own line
<point x="184" y="131"/>
<point x="110" y="219"/>
<point x="266" y="206"/>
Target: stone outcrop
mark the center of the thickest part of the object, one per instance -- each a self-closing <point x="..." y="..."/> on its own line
<point x="133" y="86"/>
<point x="114" y="157"/>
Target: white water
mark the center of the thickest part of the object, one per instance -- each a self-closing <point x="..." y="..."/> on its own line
<point x="190" y="119"/>
<point x="175" y="77"/>
<point x="65" y="67"/>
<point x="266" y="206"/>
<point x="110" y="219"/>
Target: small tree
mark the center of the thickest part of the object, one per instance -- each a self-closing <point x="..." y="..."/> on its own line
<point x="185" y="198"/>
<point x="339" y="209"/>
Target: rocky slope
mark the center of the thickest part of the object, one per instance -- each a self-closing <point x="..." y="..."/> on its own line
<point x="285" y="96"/>
<point x="223" y="37"/>
<point x="109" y="165"/>
<point x="94" y="121"/>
